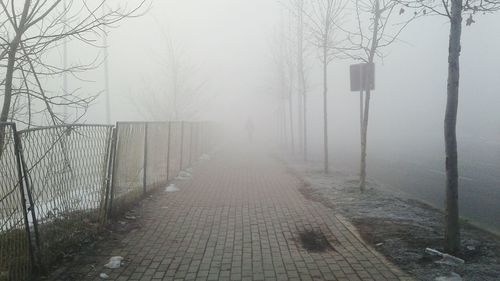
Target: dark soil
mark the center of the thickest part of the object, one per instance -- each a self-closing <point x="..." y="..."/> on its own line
<point x="100" y="248"/>
<point x="313" y="240"/>
<point x="401" y="228"/>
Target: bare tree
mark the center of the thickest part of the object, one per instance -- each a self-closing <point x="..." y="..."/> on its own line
<point x="324" y="21"/>
<point x="297" y="8"/>
<point x="377" y="28"/>
<point x="180" y="96"/>
<point x="455" y="11"/>
<point x="29" y="30"/>
<point x="283" y="56"/>
<point x="288" y="51"/>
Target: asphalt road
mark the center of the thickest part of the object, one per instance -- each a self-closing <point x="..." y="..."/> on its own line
<point x="422" y="176"/>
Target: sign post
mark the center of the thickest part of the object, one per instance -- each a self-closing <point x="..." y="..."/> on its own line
<point x="362" y="79"/>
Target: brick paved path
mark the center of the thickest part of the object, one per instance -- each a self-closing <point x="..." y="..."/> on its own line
<point x="239" y="218"/>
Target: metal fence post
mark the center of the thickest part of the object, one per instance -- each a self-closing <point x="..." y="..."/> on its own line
<point x="168" y="150"/>
<point x="182" y="144"/>
<point x="113" y="168"/>
<point x="202" y="148"/>
<point x="109" y="176"/>
<point x="145" y="164"/>
<point x="28" y="184"/>
<point x="21" y="177"/>
<point x="191" y="144"/>
<point x="204" y="135"/>
<point x="198" y="146"/>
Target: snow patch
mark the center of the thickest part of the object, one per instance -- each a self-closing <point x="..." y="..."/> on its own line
<point x="184" y="175"/>
<point x="171" y="188"/>
<point x="445" y="258"/>
<point x="450" y="277"/>
<point x="114" y="262"/>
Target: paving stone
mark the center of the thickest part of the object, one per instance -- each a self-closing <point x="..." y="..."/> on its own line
<point x="240" y="217"/>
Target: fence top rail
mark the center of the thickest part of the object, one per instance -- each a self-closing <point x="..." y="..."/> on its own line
<point x="69" y="126"/>
<point x="159" y="122"/>
<point x="12" y="124"/>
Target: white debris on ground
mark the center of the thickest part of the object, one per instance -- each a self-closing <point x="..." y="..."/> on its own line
<point x="450" y="277"/>
<point x="104" y="276"/>
<point x="114" y="262"/>
<point x="171" y="188"/>
<point x="205" y="157"/>
<point x="401" y="228"/>
<point x="184" y="175"/>
<point x="445" y="258"/>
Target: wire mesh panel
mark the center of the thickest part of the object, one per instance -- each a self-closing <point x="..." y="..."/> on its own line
<point x="175" y="149"/>
<point x="128" y="171"/>
<point x="210" y="136"/>
<point x="192" y="143"/>
<point x="197" y="141"/>
<point x="66" y="167"/>
<point x="203" y="137"/>
<point x="186" y="136"/>
<point x="15" y="259"/>
<point x="157" y="149"/>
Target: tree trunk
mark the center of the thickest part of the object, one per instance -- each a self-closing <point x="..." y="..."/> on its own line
<point x="290" y="110"/>
<point x="285" y="125"/>
<point x="305" y="127"/>
<point x="364" y="134"/>
<point x="8" y="80"/>
<point x="106" y="79"/>
<point x="362" y="165"/>
<point x="301" y="78"/>
<point x="325" y="107"/>
<point x="367" y="88"/>
<point x="452" y="228"/>
<point x="300" y="122"/>
<point x="7" y="99"/>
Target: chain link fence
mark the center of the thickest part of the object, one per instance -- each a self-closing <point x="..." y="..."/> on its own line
<point x="175" y="148"/>
<point x="157" y="156"/>
<point x="59" y="184"/>
<point x="66" y="170"/>
<point x="149" y="155"/>
<point x="15" y="255"/>
<point x="128" y="169"/>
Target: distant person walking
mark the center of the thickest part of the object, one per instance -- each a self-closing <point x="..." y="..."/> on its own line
<point x="250" y="129"/>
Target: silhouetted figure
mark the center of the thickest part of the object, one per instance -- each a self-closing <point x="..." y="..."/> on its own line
<point x="250" y="128"/>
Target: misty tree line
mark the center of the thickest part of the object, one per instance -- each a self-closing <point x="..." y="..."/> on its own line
<point x="360" y="31"/>
<point x="181" y="93"/>
<point x="31" y="31"/>
<point x="328" y="30"/>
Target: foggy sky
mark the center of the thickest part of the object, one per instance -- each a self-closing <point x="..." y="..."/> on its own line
<point x="230" y="43"/>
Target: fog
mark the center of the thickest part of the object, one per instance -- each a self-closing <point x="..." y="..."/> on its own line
<point x="228" y="44"/>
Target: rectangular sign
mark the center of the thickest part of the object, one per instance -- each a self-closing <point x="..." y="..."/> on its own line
<point x="362" y="77"/>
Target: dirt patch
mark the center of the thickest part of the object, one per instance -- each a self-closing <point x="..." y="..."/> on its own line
<point x="311" y="194"/>
<point x="313" y="240"/>
<point x="402" y="242"/>
<point x="93" y="254"/>
<point x="401" y="228"/>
